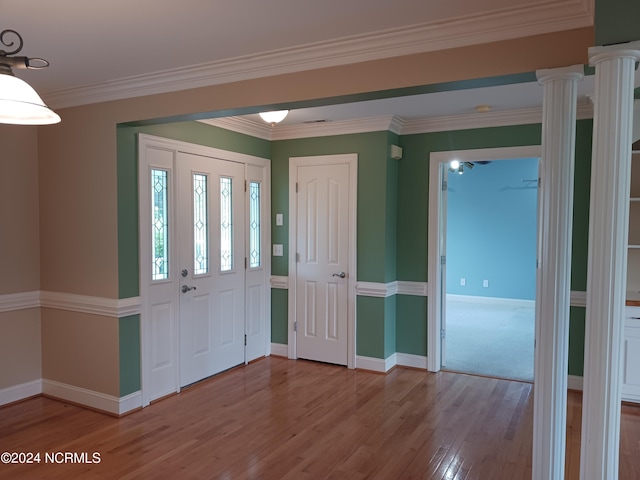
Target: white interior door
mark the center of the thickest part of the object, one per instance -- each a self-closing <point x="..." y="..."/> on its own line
<point x="210" y="223"/>
<point x="323" y="262"/>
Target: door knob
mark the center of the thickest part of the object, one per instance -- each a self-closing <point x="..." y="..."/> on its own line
<point x="185" y="289"/>
<point x="339" y="274"/>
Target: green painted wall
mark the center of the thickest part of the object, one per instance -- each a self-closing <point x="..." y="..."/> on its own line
<point x="130" y="361"/>
<point x="128" y="261"/>
<point x="581" y="194"/>
<point x="391" y="209"/>
<point x="616" y="21"/>
<point x="370" y="331"/>
<point x="279" y="316"/>
<point x="576" y="340"/>
<point x="390" y="326"/>
<point x="411" y="324"/>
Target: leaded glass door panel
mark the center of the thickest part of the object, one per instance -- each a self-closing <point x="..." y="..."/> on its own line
<point x="211" y="264"/>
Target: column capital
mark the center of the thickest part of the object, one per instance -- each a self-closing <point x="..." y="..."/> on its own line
<point x="620" y="50"/>
<point x="562" y="73"/>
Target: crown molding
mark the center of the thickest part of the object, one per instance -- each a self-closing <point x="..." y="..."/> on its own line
<point x="497" y="25"/>
<point x="241" y="125"/>
<point x="307" y="130"/>
<point x="390" y="123"/>
<point x="341" y="127"/>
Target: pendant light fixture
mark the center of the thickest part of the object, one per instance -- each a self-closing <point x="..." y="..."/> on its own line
<point x="274" y="117"/>
<point x="19" y="102"/>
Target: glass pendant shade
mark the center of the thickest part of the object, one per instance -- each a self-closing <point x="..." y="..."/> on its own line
<point x="21" y="105"/>
<point x="274" y="117"/>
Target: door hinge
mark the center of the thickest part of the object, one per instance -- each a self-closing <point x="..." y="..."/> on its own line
<point x="444" y="185"/>
<point x="295" y="326"/>
<point x="245" y="340"/>
<point x="443" y="260"/>
<point x="298" y="257"/>
<point x="245" y="262"/>
<point x="245" y="185"/>
<point x="443" y="334"/>
<point x="296" y="187"/>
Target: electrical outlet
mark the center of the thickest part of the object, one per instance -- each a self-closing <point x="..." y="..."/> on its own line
<point x="277" y="250"/>
<point x="463" y="282"/>
<point x="485" y="283"/>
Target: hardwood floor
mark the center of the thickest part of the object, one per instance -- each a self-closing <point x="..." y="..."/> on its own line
<point x="284" y="419"/>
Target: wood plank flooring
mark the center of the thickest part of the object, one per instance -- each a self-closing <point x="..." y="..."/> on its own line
<point x="285" y="419"/>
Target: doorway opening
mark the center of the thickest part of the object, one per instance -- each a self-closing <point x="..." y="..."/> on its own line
<point x="490" y="271"/>
<point x="439" y="163"/>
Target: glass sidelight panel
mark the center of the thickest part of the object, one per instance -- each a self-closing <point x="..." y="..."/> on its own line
<point x="254" y="224"/>
<point x="226" y="225"/>
<point x="160" y="224"/>
<point x="200" y="225"/>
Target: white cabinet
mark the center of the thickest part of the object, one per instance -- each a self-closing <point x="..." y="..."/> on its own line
<point x="631" y="338"/>
<point x="631" y="356"/>
<point x="633" y="269"/>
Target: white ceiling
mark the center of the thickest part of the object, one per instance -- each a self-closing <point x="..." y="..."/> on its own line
<point x="102" y="50"/>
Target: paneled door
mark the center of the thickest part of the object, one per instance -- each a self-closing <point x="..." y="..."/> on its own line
<point x="210" y="221"/>
<point x="323" y="262"/>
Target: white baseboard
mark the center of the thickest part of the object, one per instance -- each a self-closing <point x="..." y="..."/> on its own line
<point x="130" y="402"/>
<point x="20" y="392"/>
<point x="375" y="364"/>
<point x="91" y="399"/>
<point x="514" y="302"/>
<point x="410" y="360"/>
<point x="280" y="349"/>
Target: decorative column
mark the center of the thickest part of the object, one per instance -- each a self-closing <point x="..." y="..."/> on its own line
<point x="560" y="92"/>
<point x="607" y="267"/>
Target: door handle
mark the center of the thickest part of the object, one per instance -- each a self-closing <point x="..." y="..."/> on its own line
<point x="185" y="289"/>
<point x="339" y="274"/>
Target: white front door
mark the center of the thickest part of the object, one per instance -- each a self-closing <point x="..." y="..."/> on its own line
<point x="201" y="232"/>
<point x="324" y="267"/>
<point x="210" y="223"/>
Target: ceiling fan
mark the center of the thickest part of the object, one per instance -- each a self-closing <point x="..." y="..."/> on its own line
<point x="456" y="166"/>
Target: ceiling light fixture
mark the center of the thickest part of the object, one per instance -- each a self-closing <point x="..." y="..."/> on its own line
<point x="274" y="117"/>
<point x="19" y="102"/>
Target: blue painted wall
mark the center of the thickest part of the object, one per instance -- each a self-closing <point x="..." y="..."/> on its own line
<point x="491" y="230"/>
